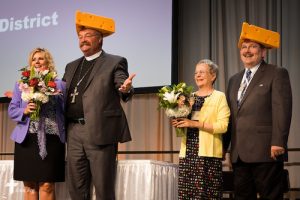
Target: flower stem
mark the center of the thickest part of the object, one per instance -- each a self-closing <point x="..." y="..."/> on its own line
<point x="36" y="114"/>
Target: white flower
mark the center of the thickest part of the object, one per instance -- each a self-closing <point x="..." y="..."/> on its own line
<point x="45" y="72"/>
<point x="41" y="84"/>
<point x="170" y="97"/>
<point x="40" y="97"/>
<point x="177" y="112"/>
<point x="51" y="91"/>
<point x="28" y="95"/>
<point x="54" y="75"/>
<point x="175" y="100"/>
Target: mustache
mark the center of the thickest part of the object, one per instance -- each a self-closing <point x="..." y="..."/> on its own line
<point x="85" y="43"/>
<point x="247" y="54"/>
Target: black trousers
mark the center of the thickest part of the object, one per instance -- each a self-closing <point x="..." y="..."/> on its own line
<point x="258" y="179"/>
<point x="89" y="163"/>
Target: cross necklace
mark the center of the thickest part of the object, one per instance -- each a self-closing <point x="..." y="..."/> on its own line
<point x="75" y="92"/>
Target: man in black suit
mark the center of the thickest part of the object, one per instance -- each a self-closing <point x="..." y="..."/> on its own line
<point x="96" y="121"/>
<point x="260" y="100"/>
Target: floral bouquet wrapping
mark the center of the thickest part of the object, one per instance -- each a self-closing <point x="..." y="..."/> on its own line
<point x="36" y="86"/>
<point x="177" y="102"/>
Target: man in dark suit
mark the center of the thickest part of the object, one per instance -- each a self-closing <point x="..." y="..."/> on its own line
<point x="260" y="100"/>
<point x="96" y="121"/>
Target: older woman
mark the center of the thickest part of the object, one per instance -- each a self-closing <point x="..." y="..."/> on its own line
<point x="39" y="142"/>
<point x="200" y="158"/>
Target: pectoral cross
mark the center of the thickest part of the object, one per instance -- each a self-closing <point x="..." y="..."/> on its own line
<point x="74" y="94"/>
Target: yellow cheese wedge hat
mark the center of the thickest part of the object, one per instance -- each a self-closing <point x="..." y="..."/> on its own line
<point x="103" y="24"/>
<point x="269" y="39"/>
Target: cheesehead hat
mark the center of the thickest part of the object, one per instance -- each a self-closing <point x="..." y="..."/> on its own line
<point x="267" y="38"/>
<point x="103" y="24"/>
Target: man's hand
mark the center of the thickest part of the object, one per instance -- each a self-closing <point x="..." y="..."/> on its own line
<point x="276" y="151"/>
<point x="127" y="85"/>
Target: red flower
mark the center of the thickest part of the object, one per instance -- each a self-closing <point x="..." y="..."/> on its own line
<point x="33" y="82"/>
<point x="26" y="73"/>
<point x="51" y="84"/>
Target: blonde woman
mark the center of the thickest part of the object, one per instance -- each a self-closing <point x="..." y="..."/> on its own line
<point x="39" y="144"/>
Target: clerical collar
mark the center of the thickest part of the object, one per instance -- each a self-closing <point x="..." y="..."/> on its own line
<point x="92" y="57"/>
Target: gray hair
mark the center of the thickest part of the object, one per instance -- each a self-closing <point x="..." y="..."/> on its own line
<point x="213" y="67"/>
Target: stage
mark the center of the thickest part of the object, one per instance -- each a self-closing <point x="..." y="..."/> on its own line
<point x="136" y="180"/>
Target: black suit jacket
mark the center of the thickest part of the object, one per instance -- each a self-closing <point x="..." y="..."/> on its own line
<point x="105" y="119"/>
<point x="264" y="117"/>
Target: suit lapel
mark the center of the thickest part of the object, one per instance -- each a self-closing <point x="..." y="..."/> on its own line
<point x="235" y="88"/>
<point x="73" y="67"/>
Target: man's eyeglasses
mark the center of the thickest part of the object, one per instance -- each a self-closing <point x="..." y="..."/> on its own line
<point x="251" y="46"/>
<point x="80" y="37"/>
<point x="201" y="72"/>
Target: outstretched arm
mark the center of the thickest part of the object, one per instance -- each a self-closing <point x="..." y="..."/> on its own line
<point x="127" y="85"/>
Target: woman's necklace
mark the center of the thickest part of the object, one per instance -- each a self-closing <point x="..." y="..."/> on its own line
<point x="75" y="92"/>
<point x="205" y="93"/>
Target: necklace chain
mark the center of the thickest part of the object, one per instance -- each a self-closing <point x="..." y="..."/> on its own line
<point x="80" y="79"/>
<point x="75" y="92"/>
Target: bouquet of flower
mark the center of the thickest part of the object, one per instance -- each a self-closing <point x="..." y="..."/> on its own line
<point x="36" y="86"/>
<point x="176" y="100"/>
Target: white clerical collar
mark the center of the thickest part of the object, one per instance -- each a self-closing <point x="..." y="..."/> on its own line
<point x="92" y="57"/>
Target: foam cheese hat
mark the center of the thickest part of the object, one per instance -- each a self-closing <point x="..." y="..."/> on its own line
<point x="269" y="39"/>
<point x="103" y="24"/>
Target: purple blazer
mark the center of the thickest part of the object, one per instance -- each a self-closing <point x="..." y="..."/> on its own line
<point x="16" y="112"/>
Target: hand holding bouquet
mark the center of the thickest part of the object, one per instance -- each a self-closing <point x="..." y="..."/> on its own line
<point x="36" y="86"/>
<point x="177" y="102"/>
